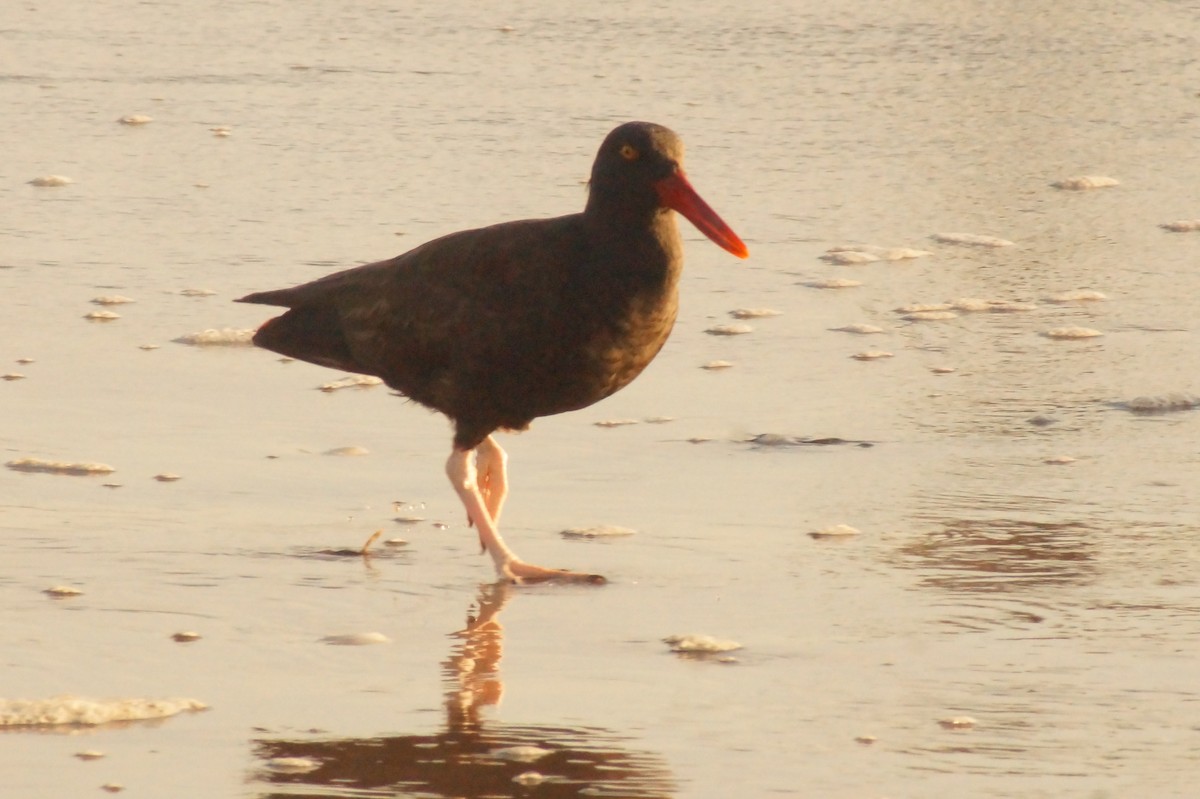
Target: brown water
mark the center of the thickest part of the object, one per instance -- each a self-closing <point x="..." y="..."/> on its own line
<point x="1055" y="604"/>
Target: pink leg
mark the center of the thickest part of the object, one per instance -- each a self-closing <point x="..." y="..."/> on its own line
<point x="461" y="471"/>
<point x="490" y="461"/>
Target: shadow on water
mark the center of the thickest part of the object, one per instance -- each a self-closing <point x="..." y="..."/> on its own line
<point x="473" y="756"/>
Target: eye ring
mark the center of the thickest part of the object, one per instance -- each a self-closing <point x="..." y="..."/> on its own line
<point x="629" y="152"/>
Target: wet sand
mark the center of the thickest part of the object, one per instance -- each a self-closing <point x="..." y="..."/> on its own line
<point x="1026" y="545"/>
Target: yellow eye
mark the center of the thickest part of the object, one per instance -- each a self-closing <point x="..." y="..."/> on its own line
<point x="629" y="152"/>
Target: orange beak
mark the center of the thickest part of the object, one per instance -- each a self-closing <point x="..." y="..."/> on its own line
<point x="677" y="193"/>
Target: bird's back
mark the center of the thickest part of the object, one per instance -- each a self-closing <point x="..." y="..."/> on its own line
<point x="494" y="326"/>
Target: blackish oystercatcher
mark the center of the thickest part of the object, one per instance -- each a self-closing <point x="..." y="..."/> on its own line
<point x="497" y="326"/>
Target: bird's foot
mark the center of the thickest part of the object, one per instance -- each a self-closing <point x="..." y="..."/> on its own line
<point x="521" y="573"/>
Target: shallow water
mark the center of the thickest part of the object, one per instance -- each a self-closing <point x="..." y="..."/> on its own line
<point x="1055" y="603"/>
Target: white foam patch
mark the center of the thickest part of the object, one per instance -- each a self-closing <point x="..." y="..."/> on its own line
<point x="347" y="452"/>
<point x="111" y="299"/>
<point x="1181" y="225"/>
<point x="833" y="283"/>
<point x="714" y="366"/>
<point x="865" y="253"/>
<point x="871" y="355"/>
<point x="602" y="531"/>
<point x="1075" y="297"/>
<point x="197" y="292"/>
<point x="292" y="765"/>
<point x="615" y="422"/>
<point x="836" y="531"/>
<point x="958" y="723"/>
<point x="859" y="329"/>
<point x="970" y="304"/>
<point x="849" y="257"/>
<point x="520" y="754"/>
<point x="729" y="330"/>
<point x="102" y="316"/>
<point x="1085" y="182"/>
<point x="1165" y="403"/>
<point x="351" y="381"/>
<point x="50" y="181"/>
<point x="971" y="240"/>
<point x="753" y="313"/>
<point x="225" y="337"/>
<point x="79" y="711"/>
<point x="700" y="644"/>
<point x="772" y="440"/>
<point x="976" y="305"/>
<point x="135" y="120"/>
<point x="1068" y="333"/>
<point x="902" y="253"/>
<point x="58" y="467"/>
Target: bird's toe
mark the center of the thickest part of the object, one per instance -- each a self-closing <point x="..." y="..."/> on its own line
<point x="522" y="573"/>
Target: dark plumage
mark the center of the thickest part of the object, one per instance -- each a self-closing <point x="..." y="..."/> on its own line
<point x="497" y="326"/>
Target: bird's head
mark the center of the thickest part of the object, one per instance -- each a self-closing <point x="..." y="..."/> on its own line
<point x="640" y="166"/>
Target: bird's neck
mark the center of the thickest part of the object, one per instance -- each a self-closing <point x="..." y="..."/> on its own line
<point x="647" y="234"/>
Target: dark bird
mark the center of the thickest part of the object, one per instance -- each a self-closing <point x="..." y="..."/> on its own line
<point x="497" y="326"/>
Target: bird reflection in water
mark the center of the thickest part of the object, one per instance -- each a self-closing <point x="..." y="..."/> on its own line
<point x="473" y="757"/>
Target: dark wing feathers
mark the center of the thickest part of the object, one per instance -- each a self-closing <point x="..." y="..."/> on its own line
<point x="454" y="321"/>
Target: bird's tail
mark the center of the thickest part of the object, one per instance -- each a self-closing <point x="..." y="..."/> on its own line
<point x="312" y="334"/>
